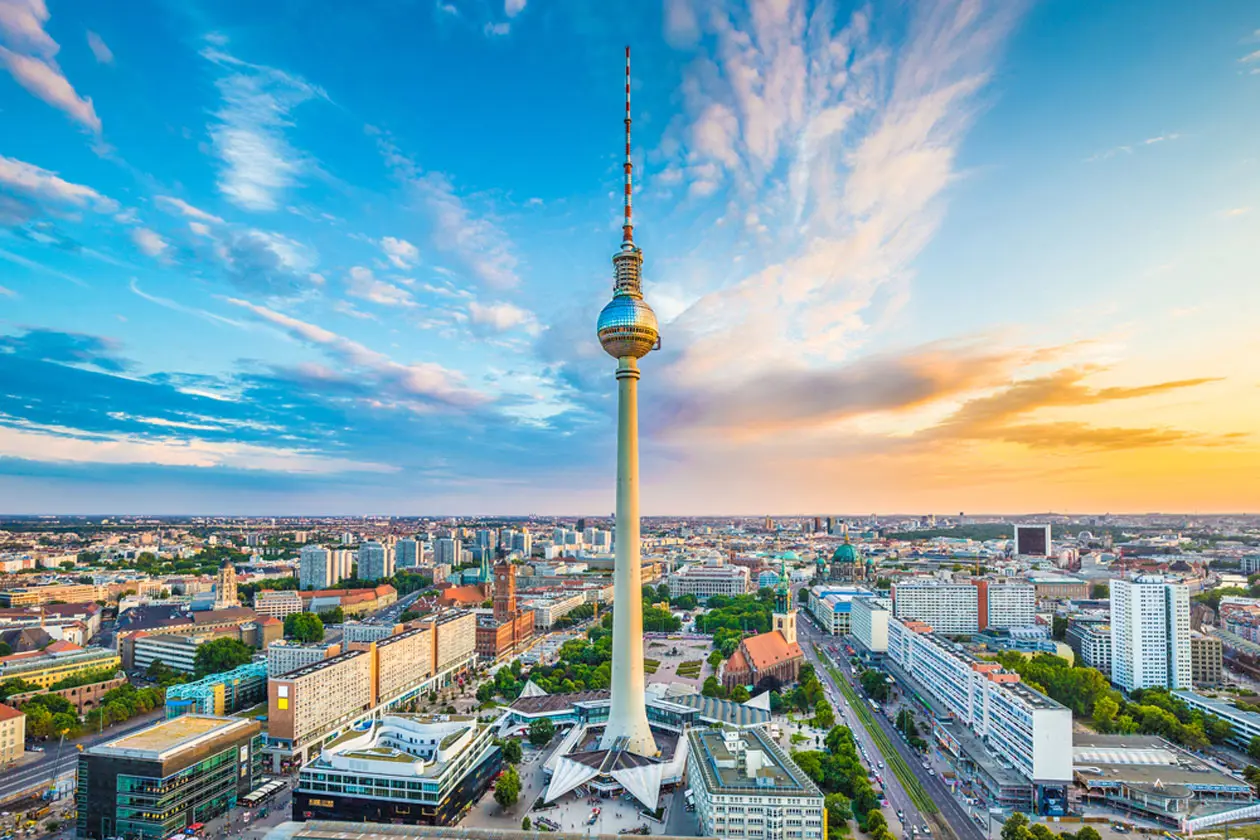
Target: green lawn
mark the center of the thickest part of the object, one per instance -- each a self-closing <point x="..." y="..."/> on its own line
<point x="914" y="789"/>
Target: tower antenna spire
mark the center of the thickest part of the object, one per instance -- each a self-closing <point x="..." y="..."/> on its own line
<point x="627" y="226"/>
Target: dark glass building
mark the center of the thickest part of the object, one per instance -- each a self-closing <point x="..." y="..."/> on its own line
<point x="156" y="782"/>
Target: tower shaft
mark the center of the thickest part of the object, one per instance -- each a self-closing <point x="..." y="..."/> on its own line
<point x="627" y="718"/>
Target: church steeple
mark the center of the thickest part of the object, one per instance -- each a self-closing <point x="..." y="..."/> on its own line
<point x="784" y="617"/>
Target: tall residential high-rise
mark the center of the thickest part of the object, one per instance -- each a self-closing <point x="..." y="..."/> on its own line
<point x="314" y="568"/>
<point x="1150" y="633"/>
<point x="488" y="539"/>
<point x="374" y="561"/>
<point x="407" y="553"/>
<point x="628" y="331"/>
<point x="522" y="541"/>
<point x="448" y="551"/>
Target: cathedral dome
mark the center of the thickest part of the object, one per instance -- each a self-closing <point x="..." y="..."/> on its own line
<point x="845" y="553"/>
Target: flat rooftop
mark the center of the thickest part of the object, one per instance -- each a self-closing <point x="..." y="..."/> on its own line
<point x="328" y="830"/>
<point x="168" y="737"/>
<point x="720" y="760"/>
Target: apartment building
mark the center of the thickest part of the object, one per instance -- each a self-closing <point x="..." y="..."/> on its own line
<point x="454" y="638"/>
<point x="868" y="617"/>
<point x="1206" y="659"/>
<point x="404" y="661"/>
<point x="1246" y="725"/>
<point x="277" y="603"/>
<point x="1006" y="605"/>
<point x="305" y="705"/>
<point x="704" y="580"/>
<point x="178" y="652"/>
<point x="315" y="568"/>
<point x="948" y="607"/>
<point x="69" y="593"/>
<point x="408" y="553"/>
<point x="746" y="787"/>
<point x="12" y="735"/>
<point x="1150" y="633"/>
<point x="1021" y="726"/>
<point x="1090" y="640"/>
<point x="548" y="610"/>
<point x="283" y="657"/>
<point x="375" y="561"/>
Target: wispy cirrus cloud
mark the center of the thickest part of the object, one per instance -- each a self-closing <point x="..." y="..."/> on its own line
<point x="258" y="164"/>
<point x="1130" y="148"/>
<point x="475" y="240"/>
<point x="178" y="205"/>
<point x="46" y="187"/>
<point x="427" y="384"/>
<point x="100" y="50"/>
<point x="29" y="54"/>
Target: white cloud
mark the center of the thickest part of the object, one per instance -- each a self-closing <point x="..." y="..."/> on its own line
<point x="68" y="445"/>
<point x="425" y="381"/>
<point x="1236" y="211"/>
<point x="199" y="228"/>
<point x="149" y="242"/>
<point x="400" y="252"/>
<point x="178" y="205"/>
<point x="44" y="185"/>
<point x="258" y="163"/>
<point x="9" y="293"/>
<point x="103" y="54"/>
<point x="498" y="28"/>
<point x="502" y="317"/>
<point x="512" y="8"/>
<point x="30" y="59"/>
<point x="477" y="241"/>
<point x="364" y="285"/>
<point x="866" y="136"/>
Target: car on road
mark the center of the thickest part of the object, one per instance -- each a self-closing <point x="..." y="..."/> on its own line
<point x="927" y="830"/>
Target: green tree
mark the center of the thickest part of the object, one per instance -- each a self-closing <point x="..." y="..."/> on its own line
<point x="512" y="751"/>
<point x="715" y="659"/>
<point x="1058" y="628"/>
<point x="1253" y="748"/>
<point x="875" y="821"/>
<point x="1097" y="592"/>
<point x="304" y="627"/>
<point x="5" y="650"/>
<point x="839" y="810"/>
<point x="219" y="655"/>
<point x="334" y="616"/>
<point x="1105" y="711"/>
<point x="711" y="688"/>
<point x="63" y="723"/>
<point x="874" y="684"/>
<point x="739" y="694"/>
<point x="1015" y="827"/>
<point x="1088" y="832"/>
<point x="525" y="824"/>
<point x="541" y="732"/>
<point x="507" y="788"/>
<point x="824" y="715"/>
<point x="1038" y="831"/>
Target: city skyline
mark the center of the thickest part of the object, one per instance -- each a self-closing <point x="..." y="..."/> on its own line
<point x="952" y="256"/>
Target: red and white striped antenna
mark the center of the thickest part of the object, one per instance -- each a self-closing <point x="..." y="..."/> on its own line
<point x="627" y="226"/>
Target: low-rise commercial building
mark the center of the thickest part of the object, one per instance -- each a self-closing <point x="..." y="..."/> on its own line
<point x="154" y="783"/>
<point x="220" y="694"/>
<point x="353" y="602"/>
<point x="547" y="611"/>
<point x="746" y="788"/>
<point x="412" y="769"/>
<point x="70" y="593"/>
<point x="831" y="607"/>
<point x="1246" y="725"/>
<point x="57" y="662"/>
<point x="707" y="579"/>
<point x="1059" y="588"/>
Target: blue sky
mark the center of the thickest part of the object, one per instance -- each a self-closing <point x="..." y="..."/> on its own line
<point x="327" y="257"/>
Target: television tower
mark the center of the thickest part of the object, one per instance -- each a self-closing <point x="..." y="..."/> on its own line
<point x="628" y="331"/>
